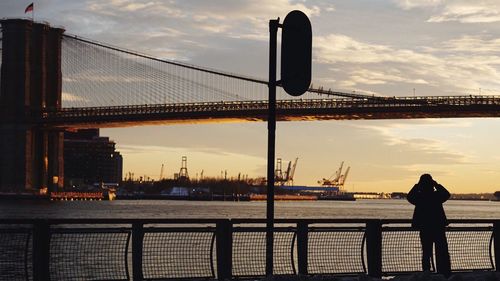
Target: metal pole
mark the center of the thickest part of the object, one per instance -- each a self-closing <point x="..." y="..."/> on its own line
<point x="374" y="248"/>
<point x="41" y="251"/>
<point x="137" y="245"/>
<point x="224" y="249"/>
<point x="271" y="136"/>
<point x="302" y="238"/>
<point x="496" y="244"/>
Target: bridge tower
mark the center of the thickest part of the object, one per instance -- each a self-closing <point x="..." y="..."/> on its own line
<point x="31" y="157"/>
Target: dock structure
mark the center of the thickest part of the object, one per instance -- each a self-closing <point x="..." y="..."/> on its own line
<point x="230" y="249"/>
<point x="70" y="196"/>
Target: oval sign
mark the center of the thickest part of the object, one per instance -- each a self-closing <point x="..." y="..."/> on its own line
<point x="296" y="48"/>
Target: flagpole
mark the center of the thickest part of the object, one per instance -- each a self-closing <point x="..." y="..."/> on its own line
<point x="33" y="13"/>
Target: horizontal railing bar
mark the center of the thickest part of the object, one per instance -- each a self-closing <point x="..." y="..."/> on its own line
<point x="337" y="229"/>
<point x="398" y="228"/>
<point x="254" y="276"/>
<point x="239" y="228"/>
<point x="473" y="270"/>
<point x="340" y="274"/>
<point x="111" y="221"/>
<point x="16" y="230"/>
<point x="178" y="229"/>
<point x="89" y="230"/>
<point x="451" y="221"/>
<point x="395" y="273"/>
<point x="208" y="278"/>
<point x="309" y="221"/>
<point x="363" y="220"/>
<point x="263" y="229"/>
<point x="234" y="221"/>
<point x="469" y="228"/>
<point x="448" y="228"/>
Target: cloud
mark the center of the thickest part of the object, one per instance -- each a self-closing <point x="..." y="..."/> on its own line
<point x="473" y="44"/>
<point x="410" y="4"/>
<point x="467" y="62"/>
<point x="416" y="147"/>
<point x="469" y="12"/>
<point x="368" y="77"/>
<point x="335" y="48"/>
<point x="133" y="7"/>
<point x="464" y="11"/>
<point x="234" y="18"/>
<point x="330" y="8"/>
<point x="171" y="29"/>
<point x="67" y="97"/>
<point x="138" y="149"/>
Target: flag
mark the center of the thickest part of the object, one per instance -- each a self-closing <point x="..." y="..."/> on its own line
<point x="29" y="8"/>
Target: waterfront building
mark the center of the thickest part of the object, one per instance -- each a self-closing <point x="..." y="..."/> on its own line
<point x="90" y="158"/>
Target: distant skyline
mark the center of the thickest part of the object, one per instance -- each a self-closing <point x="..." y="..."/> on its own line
<point x="386" y="47"/>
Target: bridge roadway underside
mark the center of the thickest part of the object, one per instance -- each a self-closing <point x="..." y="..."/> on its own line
<point x="104" y="117"/>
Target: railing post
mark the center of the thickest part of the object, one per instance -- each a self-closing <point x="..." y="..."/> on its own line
<point x="137" y="241"/>
<point x="496" y="244"/>
<point x="302" y="240"/>
<point x="374" y="248"/>
<point x="41" y="251"/>
<point x="224" y="239"/>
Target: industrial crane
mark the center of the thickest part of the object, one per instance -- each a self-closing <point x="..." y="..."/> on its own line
<point x="285" y="178"/>
<point x="278" y="174"/>
<point x="343" y="178"/>
<point x="161" y="172"/>
<point x="338" y="180"/>
<point x="292" y="172"/>
<point x="338" y="174"/>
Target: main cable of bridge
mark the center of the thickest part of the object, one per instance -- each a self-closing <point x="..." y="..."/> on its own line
<point x="318" y="90"/>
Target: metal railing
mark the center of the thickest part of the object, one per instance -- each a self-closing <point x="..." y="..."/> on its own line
<point x="134" y="249"/>
<point x="400" y="107"/>
<point x="282" y="104"/>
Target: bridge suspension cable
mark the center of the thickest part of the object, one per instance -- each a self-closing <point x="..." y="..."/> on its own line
<point x="186" y="65"/>
<point x="98" y="74"/>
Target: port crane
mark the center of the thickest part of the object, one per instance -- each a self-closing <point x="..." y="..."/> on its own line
<point x="161" y="172"/>
<point x="336" y="179"/>
<point x="285" y="178"/>
<point x="183" y="173"/>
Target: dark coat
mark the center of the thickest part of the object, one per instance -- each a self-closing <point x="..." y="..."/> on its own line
<point x="429" y="212"/>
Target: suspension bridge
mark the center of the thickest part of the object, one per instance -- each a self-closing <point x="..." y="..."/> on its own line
<point x="107" y="86"/>
<point x="51" y="81"/>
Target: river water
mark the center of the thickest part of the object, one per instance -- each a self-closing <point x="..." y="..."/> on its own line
<point x="373" y="208"/>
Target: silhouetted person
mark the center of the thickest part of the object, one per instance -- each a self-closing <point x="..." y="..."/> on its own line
<point x="429" y="218"/>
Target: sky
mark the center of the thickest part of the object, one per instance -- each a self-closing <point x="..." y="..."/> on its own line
<point x="385" y="47"/>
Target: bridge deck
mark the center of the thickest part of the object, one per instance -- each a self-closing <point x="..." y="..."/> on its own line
<point x="288" y="110"/>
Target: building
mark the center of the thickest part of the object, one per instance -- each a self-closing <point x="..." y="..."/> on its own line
<point x="90" y="158"/>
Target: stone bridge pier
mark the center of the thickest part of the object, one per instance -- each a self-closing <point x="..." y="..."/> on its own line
<point x="31" y="156"/>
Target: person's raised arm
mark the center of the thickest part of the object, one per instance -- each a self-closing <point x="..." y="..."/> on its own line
<point x="443" y="193"/>
<point x="414" y="195"/>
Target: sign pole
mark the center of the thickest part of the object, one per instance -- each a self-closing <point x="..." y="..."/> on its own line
<point x="296" y="44"/>
<point x="271" y="141"/>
